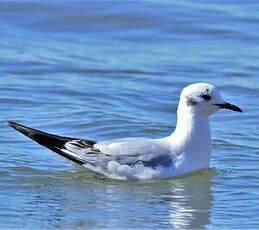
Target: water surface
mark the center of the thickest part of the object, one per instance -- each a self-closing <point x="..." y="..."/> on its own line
<point x="109" y="69"/>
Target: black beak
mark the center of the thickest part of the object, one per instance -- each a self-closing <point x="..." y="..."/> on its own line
<point x="229" y="106"/>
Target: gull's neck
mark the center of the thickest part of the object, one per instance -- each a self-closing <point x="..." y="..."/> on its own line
<point x="192" y="138"/>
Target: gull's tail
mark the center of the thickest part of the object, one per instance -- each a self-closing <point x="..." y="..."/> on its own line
<point x="53" y="142"/>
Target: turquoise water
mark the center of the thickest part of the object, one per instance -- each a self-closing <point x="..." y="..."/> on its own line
<point x="108" y="69"/>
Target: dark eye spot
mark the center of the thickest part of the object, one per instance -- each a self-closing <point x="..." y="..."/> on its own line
<point x="206" y="97"/>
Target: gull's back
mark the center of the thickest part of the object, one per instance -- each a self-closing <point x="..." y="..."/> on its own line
<point x="134" y="146"/>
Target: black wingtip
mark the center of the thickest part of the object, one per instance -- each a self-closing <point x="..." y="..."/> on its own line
<point x="12" y="124"/>
<point x="20" y="128"/>
<point x="41" y="137"/>
<point x="50" y="141"/>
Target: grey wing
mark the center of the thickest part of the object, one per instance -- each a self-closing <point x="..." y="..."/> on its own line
<point x="89" y="154"/>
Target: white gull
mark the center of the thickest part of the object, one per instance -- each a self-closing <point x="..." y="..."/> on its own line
<point x="186" y="150"/>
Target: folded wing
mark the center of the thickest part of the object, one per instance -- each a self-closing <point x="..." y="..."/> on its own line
<point x="85" y="152"/>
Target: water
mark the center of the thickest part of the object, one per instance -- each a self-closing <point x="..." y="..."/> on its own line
<point x="108" y="69"/>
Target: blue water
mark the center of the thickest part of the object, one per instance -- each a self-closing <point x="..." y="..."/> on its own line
<point x="108" y="69"/>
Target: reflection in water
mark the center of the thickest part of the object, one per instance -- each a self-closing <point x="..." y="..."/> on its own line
<point x="85" y="201"/>
<point x="192" y="201"/>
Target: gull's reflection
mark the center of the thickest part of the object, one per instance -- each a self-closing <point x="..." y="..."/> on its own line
<point x="191" y="201"/>
<point x="183" y="203"/>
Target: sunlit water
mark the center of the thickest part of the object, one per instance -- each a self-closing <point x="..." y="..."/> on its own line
<point x="108" y="69"/>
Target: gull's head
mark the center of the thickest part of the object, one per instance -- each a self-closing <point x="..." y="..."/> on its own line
<point x="204" y="98"/>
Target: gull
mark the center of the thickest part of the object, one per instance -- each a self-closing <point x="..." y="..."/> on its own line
<point x="186" y="150"/>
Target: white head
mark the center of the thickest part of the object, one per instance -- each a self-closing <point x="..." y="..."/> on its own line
<point x="203" y="98"/>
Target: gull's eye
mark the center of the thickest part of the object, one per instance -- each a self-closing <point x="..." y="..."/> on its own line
<point x="206" y="97"/>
